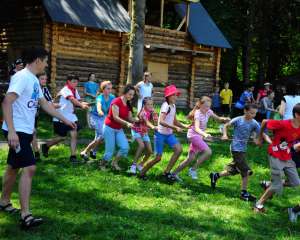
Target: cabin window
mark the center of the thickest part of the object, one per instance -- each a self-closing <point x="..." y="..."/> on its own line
<point x="159" y="72"/>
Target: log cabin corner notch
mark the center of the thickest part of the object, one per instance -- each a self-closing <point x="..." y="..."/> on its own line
<point x="92" y="35"/>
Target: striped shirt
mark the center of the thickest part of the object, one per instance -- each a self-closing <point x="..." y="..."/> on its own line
<point x="47" y="94"/>
<point x="203" y="119"/>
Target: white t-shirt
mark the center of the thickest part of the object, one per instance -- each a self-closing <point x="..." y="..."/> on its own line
<point x="145" y="90"/>
<point x="26" y="85"/>
<point x="290" y="102"/>
<point x="169" y="118"/>
<point x="66" y="106"/>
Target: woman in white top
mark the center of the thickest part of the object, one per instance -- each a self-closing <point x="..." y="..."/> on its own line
<point x="291" y="98"/>
<point x="144" y="89"/>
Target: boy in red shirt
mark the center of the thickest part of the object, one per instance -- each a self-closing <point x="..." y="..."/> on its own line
<point x="285" y="132"/>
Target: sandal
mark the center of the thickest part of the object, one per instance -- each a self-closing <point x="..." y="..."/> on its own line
<point x="9" y="209"/>
<point x="103" y="165"/>
<point x="29" y="221"/>
<point x="115" y="167"/>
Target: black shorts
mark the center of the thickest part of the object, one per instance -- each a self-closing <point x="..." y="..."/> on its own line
<point x="25" y="157"/>
<point x="238" y="165"/>
<point x="62" y="130"/>
<point x="296" y="158"/>
<point x="225" y="109"/>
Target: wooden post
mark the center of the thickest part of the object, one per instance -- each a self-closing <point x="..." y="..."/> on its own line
<point x="162" y="3"/>
<point x="218" y="63"/>
<point x="187" y="22"/>
<point x="192" y="85"/>
<point x="53" y="53"/>
<point x="123" y="63"/>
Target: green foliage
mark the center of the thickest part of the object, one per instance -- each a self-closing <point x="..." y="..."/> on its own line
<point x="85" y="203"/>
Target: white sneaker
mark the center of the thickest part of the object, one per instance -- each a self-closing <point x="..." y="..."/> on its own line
<point x="139" y="168"/>
<point x="177" y="178"/>
<point x="132" y="169"/>
<point x="193" y="174"/>
<point x="292" y="215"/>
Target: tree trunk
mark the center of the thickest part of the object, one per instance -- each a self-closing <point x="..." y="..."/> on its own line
<point x="136" y="42"/>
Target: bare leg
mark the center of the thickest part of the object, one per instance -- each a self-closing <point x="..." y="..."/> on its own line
<point x="150" y="165"/>
<point x="139" y="151"/>
<point x="203" y="157"/>
<point x="8" y="183"/>
<point x="35" y="145"/>
<point x="25" y="189"/>
<point x="91" y="146"/>
<point x="267" y="194"/>
<point x="185" y="163"/>
<point x="177" y="151"/>
<point x="54" y="141"/>
<point x="115" y="164"/>
<point x="224" y="173"/>
<point x="73" y="135"/>
<point x="148" y="153"/>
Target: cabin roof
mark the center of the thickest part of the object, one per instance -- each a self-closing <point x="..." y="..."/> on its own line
<point x="101" y="14"/>
<point x="202" y="27"/>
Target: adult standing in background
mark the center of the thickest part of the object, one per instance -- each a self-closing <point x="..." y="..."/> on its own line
<point x="144" y="89"/>
<point x="226" y="96"/>
<point x="288" y="102"/>
<point x="246" y="97"/>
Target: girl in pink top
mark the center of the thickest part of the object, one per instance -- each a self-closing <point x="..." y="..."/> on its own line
<point x="147" y="116"/>
<point x="196" y="135"/>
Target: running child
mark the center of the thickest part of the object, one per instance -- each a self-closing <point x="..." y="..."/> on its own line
<point x="139" y="133"/>
<point x="68" y="99"/>
<point x="243" y="127"/>
<point x="97" y="116"/>
<point x="285" y="133"/>
<point x="167" y="123"/>
<point x="196" y="135"/>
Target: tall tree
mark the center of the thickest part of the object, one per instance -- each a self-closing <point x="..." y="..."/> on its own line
<point x="136" y="42"/>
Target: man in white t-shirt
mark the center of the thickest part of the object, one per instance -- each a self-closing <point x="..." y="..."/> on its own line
<point x="144" y="89"/>
<point x="19" y="109"/>
<point x="68" y="99"/>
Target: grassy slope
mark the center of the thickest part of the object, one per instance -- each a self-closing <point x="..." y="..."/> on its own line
<point x="85" y="203"/>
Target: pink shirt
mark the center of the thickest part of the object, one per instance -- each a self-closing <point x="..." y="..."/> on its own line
<point x="203" y="119"/>
<point x="141" y="126"/>
<point x="170" y="110"/>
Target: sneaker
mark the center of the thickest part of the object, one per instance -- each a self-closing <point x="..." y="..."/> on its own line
<point x="176" y="178"/>
<point x="74" y="160"/>
<point x="139" y="167"/>
<point x="45" y="150"/>
<point x="84" y="156"/>
<point x="259" y="208"/>
<point x="132" y="169"/>
<point x="169" y="177"/>
<point x="193" y="174"/>
<point x="265" y="184"/>
<point x="93" y="155"/>
<point x="247" y="197"/>
<point x="37" y="156"/>
<point x="213" y="180"/>
<point x="292" y="215"/>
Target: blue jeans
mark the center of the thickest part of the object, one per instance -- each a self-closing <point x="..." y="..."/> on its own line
<point x="113" y="137"/>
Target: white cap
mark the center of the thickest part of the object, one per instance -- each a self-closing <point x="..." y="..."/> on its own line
<point x="267" y="83"/>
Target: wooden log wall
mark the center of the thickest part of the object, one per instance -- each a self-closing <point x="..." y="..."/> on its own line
<point x="21" y="25"/>
<point x="83" y="51"/>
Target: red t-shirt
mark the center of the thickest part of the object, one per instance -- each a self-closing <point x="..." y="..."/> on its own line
<point x="284" y="137"/>
<point x="123" y="113"/>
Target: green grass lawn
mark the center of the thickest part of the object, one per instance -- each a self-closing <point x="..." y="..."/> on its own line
<point x="81" y="202"/>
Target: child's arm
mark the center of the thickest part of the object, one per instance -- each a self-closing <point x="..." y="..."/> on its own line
<point x="137" y="89"/>
<point x="261" y="132"/>
<point x="132" y="119"/>
<point x="180" y="124"/>
<point x="297" y="147"/>
<point x="220" y="119"/>
<point x="99" y="109"/>
<point x="199" y="131"/>
<point x="77" y="103"/>
<point x="162" y="122"/>
<point x="282" y="108"/>
<point x="225" y="130"/>
<point x="150" y="125"/>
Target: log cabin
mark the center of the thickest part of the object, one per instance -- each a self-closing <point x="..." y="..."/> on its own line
<point x="92" y="36"/>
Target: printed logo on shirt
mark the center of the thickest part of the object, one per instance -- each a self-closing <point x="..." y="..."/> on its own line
<point x="33" y="102"/>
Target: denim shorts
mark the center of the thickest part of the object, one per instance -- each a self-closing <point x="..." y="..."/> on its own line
<point x="136" y="135"/>
<point x="161" y="139"/>
<point x="96" y="123"/>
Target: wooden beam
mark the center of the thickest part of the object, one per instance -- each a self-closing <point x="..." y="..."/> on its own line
<point x="218" y="63"/>
<point x="181" y="24"/>
<point x="162" y="4"/>
<point x="188" y="9"/>
<point x="54" y="46"/>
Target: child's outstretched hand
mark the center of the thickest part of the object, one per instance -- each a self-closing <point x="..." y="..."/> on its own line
<point x="226" y="119"/>
<point x="224" y="137"/>
<point x="178" y="129"/>
<point x="258" y="141"/>
<point x="155" y="128"/>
